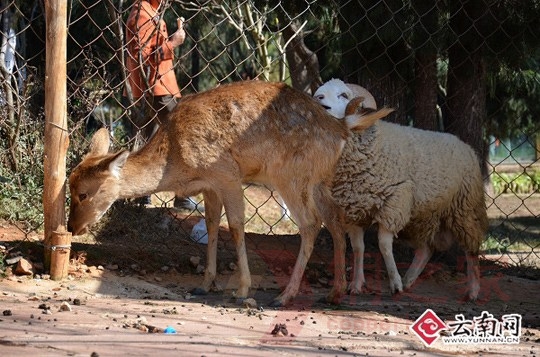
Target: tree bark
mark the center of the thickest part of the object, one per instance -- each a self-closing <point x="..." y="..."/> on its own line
<point x="303" y="63"/>
<point x="425" y="91"/>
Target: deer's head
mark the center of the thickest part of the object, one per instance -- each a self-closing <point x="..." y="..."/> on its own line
<point x="94" y="184"/>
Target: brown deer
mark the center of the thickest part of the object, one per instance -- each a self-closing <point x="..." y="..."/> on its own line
<point x="215" y="141"/>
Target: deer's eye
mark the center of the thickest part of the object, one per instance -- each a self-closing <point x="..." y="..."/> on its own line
<point x="319" y="97"/>
<point x="343" y="95"/>
<point x="82" y="197"/>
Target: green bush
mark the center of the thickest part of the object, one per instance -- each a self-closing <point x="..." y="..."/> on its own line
<point x="518" y="182"/>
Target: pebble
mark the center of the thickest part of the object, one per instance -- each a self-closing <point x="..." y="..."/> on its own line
<point x="65" y="306"/>
<point x="195" y="261"/>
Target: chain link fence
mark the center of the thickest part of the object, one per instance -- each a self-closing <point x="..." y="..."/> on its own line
<point x="470" y="68"/>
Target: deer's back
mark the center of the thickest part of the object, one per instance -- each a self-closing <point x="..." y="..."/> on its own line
<point x="260" y="126"/>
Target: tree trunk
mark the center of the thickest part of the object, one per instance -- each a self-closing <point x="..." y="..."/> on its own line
<point x="378" y="63"/>
<point x="425" y="91"/>
<point x="466" y="98"/>
<point x="303" y="63"/>
<point x="466" y="87"/>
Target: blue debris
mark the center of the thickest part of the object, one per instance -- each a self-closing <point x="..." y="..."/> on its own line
<point x="169" y="329"/>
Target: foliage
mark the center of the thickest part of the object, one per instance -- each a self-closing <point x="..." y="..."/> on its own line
<point x="517" y="183"/>
<point x="21" y="191"/>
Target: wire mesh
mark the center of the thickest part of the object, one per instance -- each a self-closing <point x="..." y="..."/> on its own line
<point x="470" y="68"/>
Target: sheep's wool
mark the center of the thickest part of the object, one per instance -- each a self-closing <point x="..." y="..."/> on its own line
<point x="411" y="180"/>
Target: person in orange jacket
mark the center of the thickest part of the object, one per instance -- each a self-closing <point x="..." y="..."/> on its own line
<point x="152" y="82"/>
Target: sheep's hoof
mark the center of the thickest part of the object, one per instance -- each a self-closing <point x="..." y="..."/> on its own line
<point x="353" y="290"/>
<point x="199" y="291"/>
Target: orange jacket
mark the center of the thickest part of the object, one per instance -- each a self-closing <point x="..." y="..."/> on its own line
<point x="149" y="49"/>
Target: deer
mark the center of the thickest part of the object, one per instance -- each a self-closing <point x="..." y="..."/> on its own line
<point x="214" y="142"/>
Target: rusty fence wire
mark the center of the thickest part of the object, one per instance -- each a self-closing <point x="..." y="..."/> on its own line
<point x="470" y="68"/>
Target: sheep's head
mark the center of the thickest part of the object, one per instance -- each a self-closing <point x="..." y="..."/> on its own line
<point x="334" y="96"/>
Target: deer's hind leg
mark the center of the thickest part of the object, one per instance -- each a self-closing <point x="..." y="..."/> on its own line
<point x="213" y="205"/>
<point x="301" y="204"/>
<point x="333" y="218"/>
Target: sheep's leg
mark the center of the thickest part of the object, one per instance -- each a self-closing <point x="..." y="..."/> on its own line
<point x="385" y="245"/>
<point x="421" y="257"/>
<point x="358" y="281"/>
<point x="233" y="200"/>
<point x="473" y="276"/>
<point x="212" y="205"/>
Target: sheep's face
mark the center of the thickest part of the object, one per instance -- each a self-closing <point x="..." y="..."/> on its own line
<point x="334" y="96"/>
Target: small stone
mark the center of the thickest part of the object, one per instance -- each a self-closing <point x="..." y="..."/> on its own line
<point x="233" y="266"/>
<point x="195" y="261"/>
<point x="24" y="267"/>
<point x="7" y="313"/>
<point x="200" y="269"/>
<point x="135" y="267"/>
<point x="280" y="330"/>
<point x="13" y="260"/>
<point x="250" y="303"/>
<point x="65" y="306"/>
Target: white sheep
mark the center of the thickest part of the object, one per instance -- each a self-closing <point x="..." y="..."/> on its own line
<point x="424" y="185"/>
<point x="334" y="96"/>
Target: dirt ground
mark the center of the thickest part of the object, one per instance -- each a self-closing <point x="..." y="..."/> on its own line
<point x="120" y="298"/>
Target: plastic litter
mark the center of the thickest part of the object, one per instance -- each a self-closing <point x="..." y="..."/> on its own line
<point x="199" y="233"/>
<point x="169" y="330"/>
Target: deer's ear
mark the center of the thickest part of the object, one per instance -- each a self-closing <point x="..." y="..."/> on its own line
<point x="100" y="143"/>
<point x="117" y="162"/>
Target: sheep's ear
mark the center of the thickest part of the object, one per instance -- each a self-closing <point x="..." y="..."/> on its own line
<point x="100" y="143"/>
<point x="362" y="121"/>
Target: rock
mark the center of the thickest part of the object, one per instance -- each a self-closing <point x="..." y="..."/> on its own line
<point x="250" y="303"/>
<point x="112" y="267"/>
<point x="200" y="269"/>
<point x="232" y="266"/>
<point x="280" y="330"/>
<point x="65" y="306"/>
<point x="135" y="267"/>
<point x="13" y="260"/>
<point x="24" y="267"/>
<point x="195" y="261"/>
